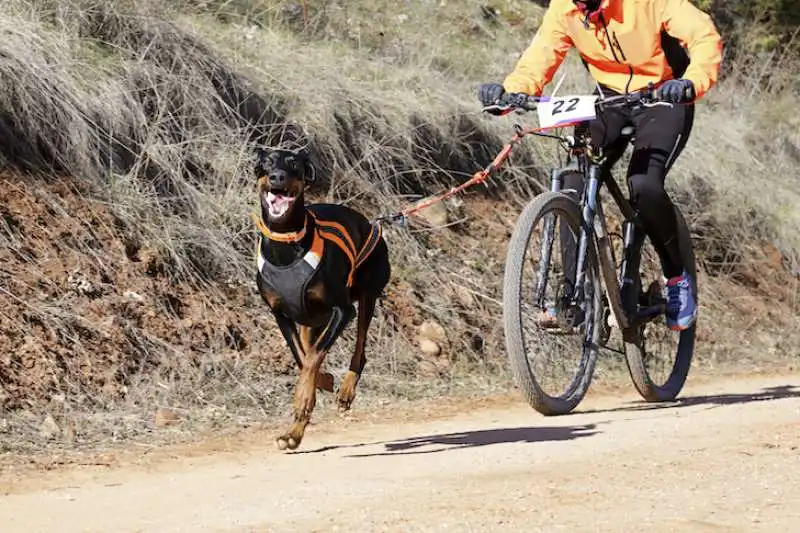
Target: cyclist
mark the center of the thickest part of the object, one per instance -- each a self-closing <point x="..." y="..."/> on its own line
<point x="626" y="44"/>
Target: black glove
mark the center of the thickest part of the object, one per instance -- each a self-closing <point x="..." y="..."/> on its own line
<point x="490" y="93"/>
<point x="676" y="91"/>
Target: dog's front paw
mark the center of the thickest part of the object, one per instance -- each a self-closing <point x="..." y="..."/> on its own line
<point x="289" y="441"/>
<point x="282" y="442"/>
<point x="285" y="442"/>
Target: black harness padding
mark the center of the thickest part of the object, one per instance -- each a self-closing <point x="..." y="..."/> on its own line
<point x="331" y="257"/>
<point x="290" y="282"/>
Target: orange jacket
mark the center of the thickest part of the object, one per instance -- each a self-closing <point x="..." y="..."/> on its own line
<point x="631" y="30"/>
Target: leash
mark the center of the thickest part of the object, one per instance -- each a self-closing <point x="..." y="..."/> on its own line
<point x="401" y="217"/>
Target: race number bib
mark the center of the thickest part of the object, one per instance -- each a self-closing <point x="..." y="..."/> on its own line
<point x="565" y="110"/>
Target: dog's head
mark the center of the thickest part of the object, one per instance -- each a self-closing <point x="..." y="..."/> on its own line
<point x="282" y="175"/>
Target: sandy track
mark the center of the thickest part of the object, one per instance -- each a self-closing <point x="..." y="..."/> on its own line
<point x="726" y="459"/>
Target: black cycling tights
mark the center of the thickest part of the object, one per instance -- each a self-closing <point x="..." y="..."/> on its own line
<point x="661" y="134"/>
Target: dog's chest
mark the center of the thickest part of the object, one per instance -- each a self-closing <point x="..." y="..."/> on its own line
<point x="300" y="290"/>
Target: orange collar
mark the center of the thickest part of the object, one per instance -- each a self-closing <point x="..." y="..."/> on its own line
<point x="292" y="236"/>
<point x="324" y="231"/>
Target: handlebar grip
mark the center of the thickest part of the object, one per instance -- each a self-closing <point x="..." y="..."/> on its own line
<point x="523" y="101"/>
<point x="510" y="101"/>
<point x="687" y="96"/>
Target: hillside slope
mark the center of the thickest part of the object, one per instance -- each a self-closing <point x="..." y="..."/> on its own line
<point x="126" y="265"/>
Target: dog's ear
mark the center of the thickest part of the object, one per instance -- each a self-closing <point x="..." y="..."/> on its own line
<point x="311" y="171"/>
<point x="261" y="161"/>
<point x="310" y="174"/>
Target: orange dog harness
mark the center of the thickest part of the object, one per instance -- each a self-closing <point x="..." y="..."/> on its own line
<point x="291" y="281"/>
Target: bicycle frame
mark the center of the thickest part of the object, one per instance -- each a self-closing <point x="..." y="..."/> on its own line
<point x="594" y="233"/>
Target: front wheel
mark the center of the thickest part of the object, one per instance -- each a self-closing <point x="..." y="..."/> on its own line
<point x="659" y="358"/>
<point x="560" y="334"/>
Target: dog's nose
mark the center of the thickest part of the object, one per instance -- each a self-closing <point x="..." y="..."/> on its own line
<point x="278" y="178"/>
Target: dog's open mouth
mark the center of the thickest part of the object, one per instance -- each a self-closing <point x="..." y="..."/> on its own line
<point x="278" y="202"/>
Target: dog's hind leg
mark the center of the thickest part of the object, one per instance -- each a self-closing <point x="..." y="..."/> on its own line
<point x="347" y="390"/>
<point x="305" y="397"/>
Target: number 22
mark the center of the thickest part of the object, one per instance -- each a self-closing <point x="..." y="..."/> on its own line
<point x="573" y="103"/>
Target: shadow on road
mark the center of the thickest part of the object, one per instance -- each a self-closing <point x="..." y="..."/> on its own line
<point x="714" y="400"/>
<point x="471" y="439"/>
<point x="533" y="434"/>
<point x="486" y="437"/>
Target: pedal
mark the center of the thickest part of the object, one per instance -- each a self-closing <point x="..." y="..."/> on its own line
<point x="652" y="311"/>
<point x="652" y="303"/>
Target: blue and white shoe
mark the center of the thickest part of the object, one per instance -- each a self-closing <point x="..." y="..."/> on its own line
<point x="681" y="303"/>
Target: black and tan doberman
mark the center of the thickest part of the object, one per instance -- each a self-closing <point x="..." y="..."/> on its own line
<point x="314" y="263"/>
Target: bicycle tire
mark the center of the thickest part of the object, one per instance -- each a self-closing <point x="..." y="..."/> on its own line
<point x="512" y="318"/>
<point x="635" y="355"/>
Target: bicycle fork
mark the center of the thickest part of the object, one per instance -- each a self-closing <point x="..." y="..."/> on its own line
<point x="592" y="227"/>
<point x="548" y="236"/>
<point x="593" y="231"/>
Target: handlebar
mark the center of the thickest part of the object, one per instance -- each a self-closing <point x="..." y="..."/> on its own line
<point x="522" y="101"/>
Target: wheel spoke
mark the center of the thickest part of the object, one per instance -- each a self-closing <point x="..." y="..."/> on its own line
<point x="552" y="364"/>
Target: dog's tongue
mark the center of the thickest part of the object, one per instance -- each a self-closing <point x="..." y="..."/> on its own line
<point x="278" y="203"/>
<point x="278" y="199"/>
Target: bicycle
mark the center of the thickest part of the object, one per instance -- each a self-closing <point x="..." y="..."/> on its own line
<point x="595" y="297"/>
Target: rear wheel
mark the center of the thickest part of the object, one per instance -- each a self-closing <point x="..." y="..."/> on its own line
<point x="659" y="358"/>
<point x="551" y="342"/>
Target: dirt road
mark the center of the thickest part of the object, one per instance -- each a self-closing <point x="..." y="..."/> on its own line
<point x="726" y="459"/>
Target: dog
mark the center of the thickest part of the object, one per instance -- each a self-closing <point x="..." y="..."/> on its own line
<point x="314" y="262"/>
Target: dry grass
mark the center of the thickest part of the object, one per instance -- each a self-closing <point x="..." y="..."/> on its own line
<point x="155" y="122"/>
